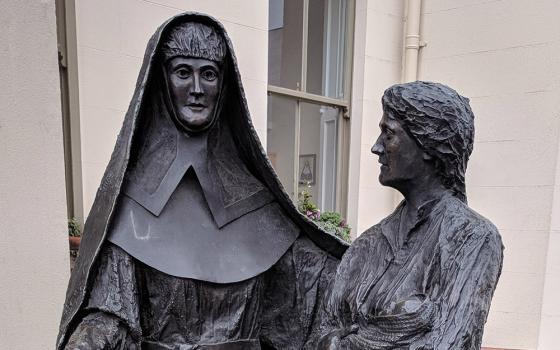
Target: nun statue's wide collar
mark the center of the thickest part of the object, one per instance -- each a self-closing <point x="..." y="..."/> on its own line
<point x="192" y="153"/>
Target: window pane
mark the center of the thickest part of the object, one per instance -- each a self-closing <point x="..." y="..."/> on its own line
<point x="281" y="139"/>
<point x="285" y="24"/>
<point x="326" y="47"/>
<point x="318" y="154"/>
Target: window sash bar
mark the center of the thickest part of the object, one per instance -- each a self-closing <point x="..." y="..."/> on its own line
<point x="297" y="141"/>
<point x="304" y="39"/>
<point x="307" y="97"/>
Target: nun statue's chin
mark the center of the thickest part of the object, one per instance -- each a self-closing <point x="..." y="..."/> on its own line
<point x="191" y="241"/>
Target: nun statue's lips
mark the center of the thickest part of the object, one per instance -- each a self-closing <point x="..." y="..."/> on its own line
<point x="196" y="107"/>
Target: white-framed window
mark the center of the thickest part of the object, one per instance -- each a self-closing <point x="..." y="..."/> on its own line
<point x="308" y="97"/>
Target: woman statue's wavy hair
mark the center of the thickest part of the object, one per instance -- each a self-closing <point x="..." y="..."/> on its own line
<point x="442" y="124"/>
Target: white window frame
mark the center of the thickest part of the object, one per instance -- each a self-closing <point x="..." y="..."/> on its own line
<point x="343" y="104"/>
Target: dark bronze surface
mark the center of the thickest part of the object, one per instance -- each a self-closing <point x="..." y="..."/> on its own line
<point x="423" y="278"/>
<point x="191" y="242"/>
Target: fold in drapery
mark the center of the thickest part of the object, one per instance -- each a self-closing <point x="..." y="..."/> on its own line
<point x="278" y="309"/>
<point x="431" y="291"/>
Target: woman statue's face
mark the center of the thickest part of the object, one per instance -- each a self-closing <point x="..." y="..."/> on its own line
<point x="194" y="87"/>
<point x="401" y="159"/>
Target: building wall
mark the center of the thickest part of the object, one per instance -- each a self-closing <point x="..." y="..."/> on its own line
<point x="550" y="311"/>
<point x="377" y="65"/>
<point x="485" y="50"/>
<point x="33" y="234"/>
<point x="112" y="36"/>
<point x="481" y="48"/>
<point x="511" y="74"/>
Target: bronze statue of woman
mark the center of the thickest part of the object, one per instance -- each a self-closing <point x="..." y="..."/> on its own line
<point x="422" y="278"/>
<point x="192" y="243"/>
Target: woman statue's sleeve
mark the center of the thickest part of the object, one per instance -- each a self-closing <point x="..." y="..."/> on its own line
<point x="462" y="288"/>
<point x="451" y="315"/>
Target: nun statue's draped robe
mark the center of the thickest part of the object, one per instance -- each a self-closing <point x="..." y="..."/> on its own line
<point x="191" y="242"/>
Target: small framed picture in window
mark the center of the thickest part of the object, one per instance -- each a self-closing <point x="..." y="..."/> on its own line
<point x="307" y="174"/>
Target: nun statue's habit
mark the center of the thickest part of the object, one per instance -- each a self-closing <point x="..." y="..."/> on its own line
<point x="191" y="242"/>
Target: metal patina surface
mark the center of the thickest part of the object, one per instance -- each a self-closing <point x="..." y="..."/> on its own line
<point x="423" y="278"/>
<point x="192" y="241"/>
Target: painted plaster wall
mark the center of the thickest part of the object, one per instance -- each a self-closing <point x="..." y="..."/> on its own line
<point x="483" y="49"/>
<point x="112" y="36"/>
<point x="33" y="235"/>
<point x="377" y="65"/>
<point x="480" y="47"/>
<point x="504" y="55"/>
<point x="550" y="311"/>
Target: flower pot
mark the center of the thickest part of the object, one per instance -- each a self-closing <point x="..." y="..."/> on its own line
<point x="74" y="242"/>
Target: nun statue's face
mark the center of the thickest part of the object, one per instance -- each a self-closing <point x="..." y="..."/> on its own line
<point x="194" y="88"/>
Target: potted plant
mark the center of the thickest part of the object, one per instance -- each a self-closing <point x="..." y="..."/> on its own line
<point x="74" y="234"/>
<point x="332" y="222"/>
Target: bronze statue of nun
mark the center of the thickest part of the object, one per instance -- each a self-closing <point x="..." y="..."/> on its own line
<point x="192" y="243"/>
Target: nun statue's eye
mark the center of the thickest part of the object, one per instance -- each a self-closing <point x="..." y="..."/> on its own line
<point x="183" y="72"/>
<point x="209" y="74"/>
